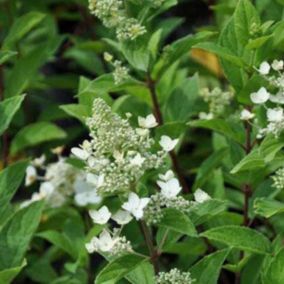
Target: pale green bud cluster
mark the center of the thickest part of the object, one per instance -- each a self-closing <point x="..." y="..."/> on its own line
<point x="278" y="179"/>
<point x="217" y="100"/>
<point x="174" y="276"/>
<point x="113" y="15"/>
<point x="120" y="73"/>
<point x="154" y="211"/>
<point x="121" y="247"/>
<point x="118" y="152"/>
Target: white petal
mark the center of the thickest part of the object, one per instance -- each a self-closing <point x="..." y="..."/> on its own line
<point x="46" y="189"/>
<point x="260" y="97"/>
<point x="277" y="65"/>
<point x="246" y="115"/>
<point x="147" y="122"/>
<point x="122" y="217"/>
<point x="31" y="175"/>
<point x="201" y="196"/>
<point x="138" y="160"/>
<point x="80" y="153"/>
<point x="100" y="216"/>
<point x="264" y="68"/>
<point x="167" y="143"/>
<point x="274" y="114"/>
<point x="167" y="176"/>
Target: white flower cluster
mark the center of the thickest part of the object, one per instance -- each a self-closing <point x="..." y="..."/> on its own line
<point x="174" y="276"/>
<point x="275" y="115"/>
<point x="278" y="179"/>
<point x="217" y="100"/>
<point x="113" y="243"/>
<point x="110" y="243"/>
<point x="166" y="198"/>
<point x="118" y="154"/>
<point x="60" y="181"/>
<point x="113" y="15"/>
<point x="120" y="73"/>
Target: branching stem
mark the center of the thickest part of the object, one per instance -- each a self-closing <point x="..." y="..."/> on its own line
<point x="151" y="84"/>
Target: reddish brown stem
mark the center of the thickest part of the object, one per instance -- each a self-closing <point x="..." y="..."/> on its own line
<point x="158" y="114"/>
<point x="154" y="255"/>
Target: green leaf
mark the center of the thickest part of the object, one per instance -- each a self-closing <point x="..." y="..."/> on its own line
<point x="261" y="156"/>
<point x="119" y="268"/>
<point x="7" y="275"/>
<point x="208" y="166"/>
<point x="21" y="27"/>
<point x="230" y="130"/>
<point x="202" y="212"/>
<point x="8" y="109"/>
<point x="222" y="52"/>
<point x="5" y="55"/>
<point x="208" y="269"/>
<point x="35" y="134"/>
<point x="178" y="222"/>
<point x="60" y="240"/>
<point x="239" y="237"/>
<point x="142" y="274"/>
<point x="266" y="207"/>
<point x="245" y="17"/>
<point x="80" y="112"/>
<point x="258" y="42"/>
<point x="180" y="47"/>
<point x="10" y="180"/>
<point x="250" y="162"/>
<point x="229" y="39"/>
<point x="137" y="54"/>
<point x="275" y="272"/>
<point x="181" y="104"/>
<point x="16" y="234"/>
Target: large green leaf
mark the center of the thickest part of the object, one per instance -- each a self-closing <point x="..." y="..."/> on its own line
<point x="119" y="268"/>
<point x="8" y="108"/>
<point x="16" y="234"/>
<point x="207" y="270"/>
<point x="178" y="222"/>
<point x="35" y="134"/>
<point x="10" y="180"/>
<point x="239" y="237"/>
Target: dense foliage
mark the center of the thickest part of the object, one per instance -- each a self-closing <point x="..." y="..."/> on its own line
<point x="140" y="147"/>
